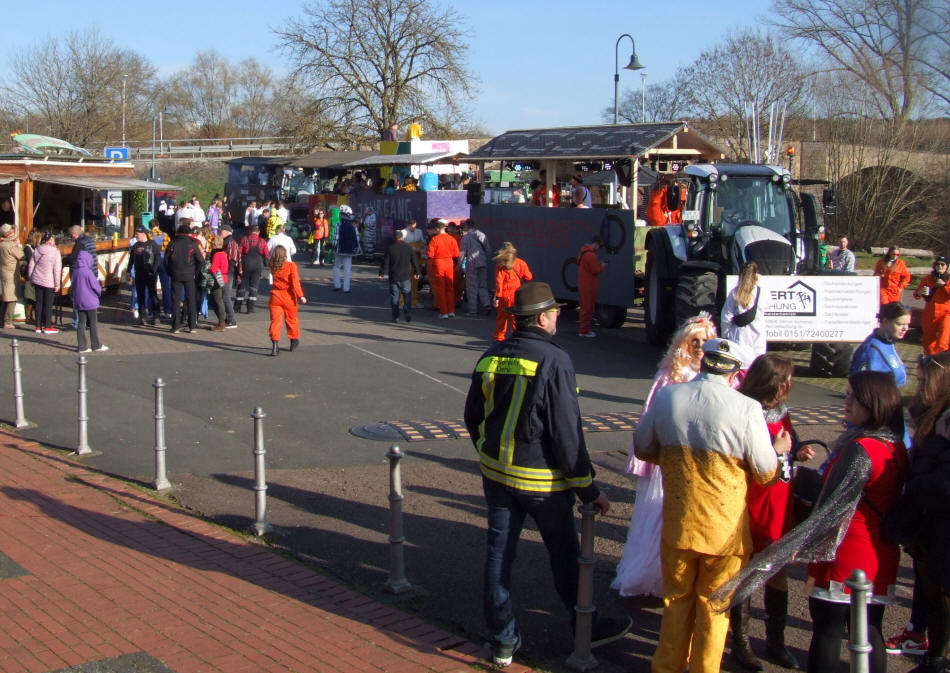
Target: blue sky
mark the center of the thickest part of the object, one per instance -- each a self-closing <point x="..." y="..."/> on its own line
<point x="539" y="64"/>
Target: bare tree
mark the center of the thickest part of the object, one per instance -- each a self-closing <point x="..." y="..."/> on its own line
<point x="373" y="63"/>
<point x="256" y="93"/>
<point x="664" y="102"/>
<point x="881" y="202"/>
<point x="747" y="67"/>
<point x="205" y="95"/>
<point x="75" y="87"/>
<point x="886" y="45"/>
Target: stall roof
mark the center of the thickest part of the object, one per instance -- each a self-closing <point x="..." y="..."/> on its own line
<point x="401" y="159"/>
<point x="265" y="161"/>
<point x="111" y="182"/>
<point x="580" y="143"/>
<point x="330" y="159"/>
<point x="7" y="179"/>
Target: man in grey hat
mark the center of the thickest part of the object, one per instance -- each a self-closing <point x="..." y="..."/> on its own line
<point x="523" y="417"/>
<point x="708" y="440"/>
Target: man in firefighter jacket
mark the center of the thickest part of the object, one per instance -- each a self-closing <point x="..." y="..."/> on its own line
<point x="523" y="416"/>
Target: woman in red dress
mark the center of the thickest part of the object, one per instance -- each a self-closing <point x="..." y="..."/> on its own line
<point x="868" y="467"/>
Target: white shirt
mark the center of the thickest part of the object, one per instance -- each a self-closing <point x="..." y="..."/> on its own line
<point x="250" y="216"/>
<point x="753" y="336"/>
<point x="197" y="215"/>
<point x="283" y="213"/>
<point x="285" y="241"/>
<point x="414" y="236"/>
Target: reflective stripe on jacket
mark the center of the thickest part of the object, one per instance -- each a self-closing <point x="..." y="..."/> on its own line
<point x="524" y="419"/>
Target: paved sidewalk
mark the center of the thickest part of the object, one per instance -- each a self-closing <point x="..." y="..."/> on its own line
<point x="94" y="570"/>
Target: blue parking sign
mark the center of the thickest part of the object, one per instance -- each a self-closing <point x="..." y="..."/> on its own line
<point x="121" y="153"/>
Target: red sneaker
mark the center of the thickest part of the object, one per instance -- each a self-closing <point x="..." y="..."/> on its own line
<point x="908" y="642"/>
<point x="50" y="330"/>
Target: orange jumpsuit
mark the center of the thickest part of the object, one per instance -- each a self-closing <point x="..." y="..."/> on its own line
<point x="588" y="270"/>
<point x="284" y="295"/>
<point x="893" y="280"/>
<point x="657" y="210"/>
<point x="507" y="281"/>
<point x="442" y="253"/>
<point x="935" y="320"/>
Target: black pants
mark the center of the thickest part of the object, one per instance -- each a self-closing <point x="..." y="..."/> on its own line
<point x="249" y="282"/>
<point x="190" y="305"/>
<point x="228" y="296"/>
<point x="146" y="289"/>
<point x="44" y="306"/>
<point x="829" y="623"/>
<point x="90" y="318"/>
<point x="938" y="610"/>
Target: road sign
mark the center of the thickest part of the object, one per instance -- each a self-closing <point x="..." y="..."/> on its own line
<point x="121" y="153"/>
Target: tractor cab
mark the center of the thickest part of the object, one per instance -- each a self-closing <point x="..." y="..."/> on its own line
<point x="740" y="212"/>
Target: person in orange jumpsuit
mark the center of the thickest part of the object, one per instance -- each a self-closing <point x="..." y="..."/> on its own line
<point x="510" y="273"/>
<point x="935" y="319"/>
<point x="284" y="295"/>
<point x="442" y="254"/>
<point x="589" y="269"/>
<point x="658" y="212"/>
<point x="894" y="275"/>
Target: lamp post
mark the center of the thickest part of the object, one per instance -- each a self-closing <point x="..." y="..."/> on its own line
<point x="124" y="78"/>
<point x="643" y="96"/>
<point x="634" y="64"/>
<point x="151" y="174"/>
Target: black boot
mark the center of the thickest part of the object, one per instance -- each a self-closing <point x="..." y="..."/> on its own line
<point x="739" y="641"/>
<point x="293" y="344"/>
<point x="776" y="612"/>
<point x="275" y="347"/>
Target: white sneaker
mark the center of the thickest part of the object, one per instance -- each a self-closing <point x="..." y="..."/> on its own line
<point x="588" y="334"/>
<point x="451" y="315"/>
<point x="102" y="348"/>
<point x="135" y="313"/>
<point x="85" y="350"/>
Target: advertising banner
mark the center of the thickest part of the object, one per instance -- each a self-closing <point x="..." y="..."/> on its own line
<point x="817" y="308"/>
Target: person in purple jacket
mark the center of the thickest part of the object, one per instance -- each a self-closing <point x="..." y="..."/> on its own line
<point x="86" y="291"/>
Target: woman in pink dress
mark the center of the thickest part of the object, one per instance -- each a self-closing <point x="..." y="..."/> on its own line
<point x="639" y="569"/>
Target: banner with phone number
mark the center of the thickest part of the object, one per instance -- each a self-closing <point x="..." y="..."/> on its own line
<point x="818" y="308"/>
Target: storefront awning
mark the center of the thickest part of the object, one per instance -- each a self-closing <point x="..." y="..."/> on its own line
<point x="7" y="179"/>
<point x="110" y="182"/>
<point x="401" y="159"/>
<point x="334" y="159"/>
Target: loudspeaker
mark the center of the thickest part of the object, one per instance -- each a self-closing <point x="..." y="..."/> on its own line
<point x="476" y="193"/>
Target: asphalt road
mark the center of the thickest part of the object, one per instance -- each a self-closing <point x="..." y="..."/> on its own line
<point x="353" y="367"/>
<point x="328" y="488"/>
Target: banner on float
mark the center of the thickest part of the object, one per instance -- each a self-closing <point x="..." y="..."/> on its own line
<point x="818" y="308"/>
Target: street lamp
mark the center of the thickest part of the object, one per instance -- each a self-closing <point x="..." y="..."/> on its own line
<point x="151" y="175"/>
<point x="643" y="96"/>
<point x="124" y="78"/>
<point x="634" y="64"/>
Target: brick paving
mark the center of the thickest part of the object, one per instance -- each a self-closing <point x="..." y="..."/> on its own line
<point x="95" y="570"/>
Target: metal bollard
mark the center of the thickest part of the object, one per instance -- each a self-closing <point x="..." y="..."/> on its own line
<point x="161" y="480"/>
<point x="82" y="447"/>
<point x="261" y="527"/>
<point x="397" y="582"/>
<point x="21" y="421"/>
<point x="858" y="643"/>
<point x="581" y="658"/>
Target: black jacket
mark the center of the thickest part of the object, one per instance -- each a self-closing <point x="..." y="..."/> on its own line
<point x="531" y="379"/>
<point x="399" y="262"/>
<point x="145" y="257"/>
<point x="183" y="258"/>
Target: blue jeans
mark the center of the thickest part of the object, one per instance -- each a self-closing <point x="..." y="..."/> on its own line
<point x="397" y="288"/>
<point x="554" y="515"/>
